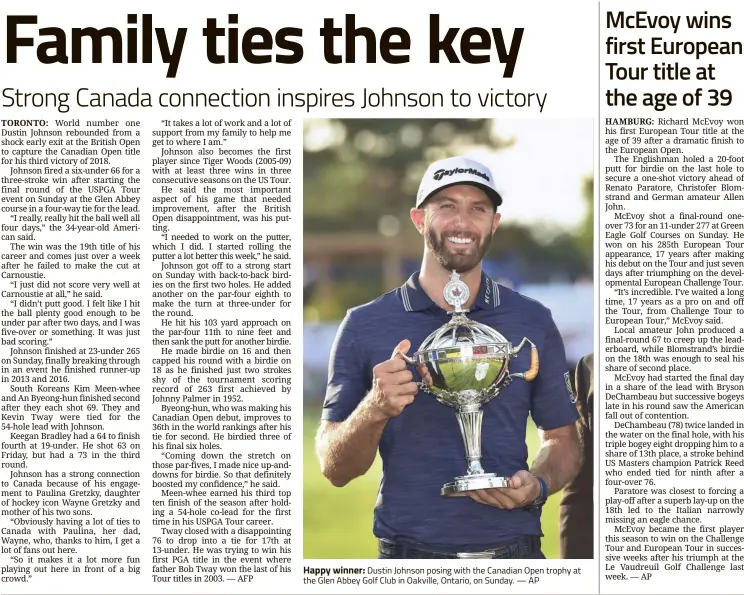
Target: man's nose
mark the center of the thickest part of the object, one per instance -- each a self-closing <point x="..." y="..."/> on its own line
<point x="458" y="222"/>
<point x="461" y="219"/>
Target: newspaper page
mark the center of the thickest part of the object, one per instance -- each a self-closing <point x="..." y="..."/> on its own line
<point x="306" y="299"/>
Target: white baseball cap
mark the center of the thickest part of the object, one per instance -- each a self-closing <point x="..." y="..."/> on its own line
<point x="453" y="171"/>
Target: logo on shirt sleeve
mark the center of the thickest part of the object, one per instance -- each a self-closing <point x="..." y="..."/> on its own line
<point x="569" y="388"/>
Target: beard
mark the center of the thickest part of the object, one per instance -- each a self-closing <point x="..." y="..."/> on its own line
<point x="463" y="259"/>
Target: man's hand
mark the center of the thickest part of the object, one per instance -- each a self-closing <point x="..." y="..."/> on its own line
<point x="393" y="387"/>
<point x="522" y="491"/>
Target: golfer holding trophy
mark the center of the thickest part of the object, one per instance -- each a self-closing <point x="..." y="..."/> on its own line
<point x="449" y="416"/>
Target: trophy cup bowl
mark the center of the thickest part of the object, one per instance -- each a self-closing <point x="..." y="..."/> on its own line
<point x="464" y="364"/>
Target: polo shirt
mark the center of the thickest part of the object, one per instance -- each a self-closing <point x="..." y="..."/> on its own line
<point x="422" y="448"/>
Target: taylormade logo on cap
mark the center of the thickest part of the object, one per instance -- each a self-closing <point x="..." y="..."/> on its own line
<point x="453" y="171"/>
<point x="439" y="174"/>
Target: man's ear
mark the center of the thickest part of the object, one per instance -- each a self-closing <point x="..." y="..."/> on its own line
<point x="495" y="224"/>
<point x="417" y="216"/>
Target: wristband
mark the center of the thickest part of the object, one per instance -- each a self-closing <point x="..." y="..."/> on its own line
<point x="542" y="496"/>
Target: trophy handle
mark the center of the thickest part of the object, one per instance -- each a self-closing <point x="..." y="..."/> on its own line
<point x="425" y="383"/>
<point x="530" y="374"/>
<point x="408" y="359"/>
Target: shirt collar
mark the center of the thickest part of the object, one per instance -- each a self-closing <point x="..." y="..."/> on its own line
<point x="414" y="298"/>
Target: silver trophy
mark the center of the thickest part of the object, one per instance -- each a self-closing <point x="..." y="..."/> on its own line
<point x="465" y="364"/>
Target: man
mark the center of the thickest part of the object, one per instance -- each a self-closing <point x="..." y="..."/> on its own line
<point x="577" y="503"/>
<point x="372" y="400"/>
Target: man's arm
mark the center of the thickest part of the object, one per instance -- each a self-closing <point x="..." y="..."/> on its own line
<point x="559" y="458"/>
<point x="347" y="449"/>
<point x="576" y="513"/>
<point x="557" y="462"/>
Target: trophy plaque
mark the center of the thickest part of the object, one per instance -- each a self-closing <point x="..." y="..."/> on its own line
<point x="464" y="364"/>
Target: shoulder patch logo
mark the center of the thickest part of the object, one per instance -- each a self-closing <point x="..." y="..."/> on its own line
<point x="569" y="388"/>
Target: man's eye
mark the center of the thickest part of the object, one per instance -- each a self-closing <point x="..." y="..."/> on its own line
<point x="448" y="206"/>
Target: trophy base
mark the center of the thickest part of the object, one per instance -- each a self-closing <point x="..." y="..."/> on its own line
<point x="482" y="481"/>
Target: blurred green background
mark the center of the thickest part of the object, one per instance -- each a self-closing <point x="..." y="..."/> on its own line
<point x="360" y="178"/>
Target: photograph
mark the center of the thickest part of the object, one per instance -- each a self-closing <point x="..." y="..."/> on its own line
<point x="448" y="338"/>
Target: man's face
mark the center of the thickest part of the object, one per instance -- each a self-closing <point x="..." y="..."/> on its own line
<point x="458" y="224"/>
